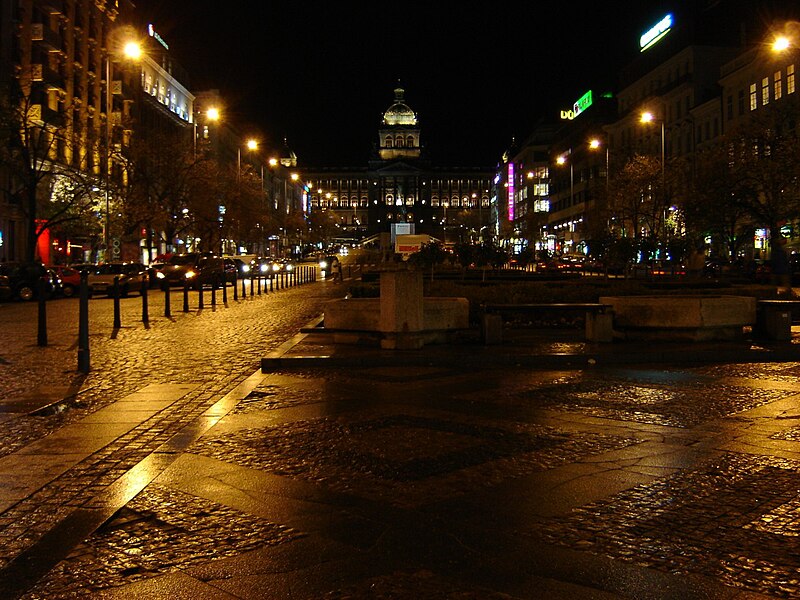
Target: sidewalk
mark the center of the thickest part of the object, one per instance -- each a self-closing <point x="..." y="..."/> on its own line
<point x="469" y="471"/>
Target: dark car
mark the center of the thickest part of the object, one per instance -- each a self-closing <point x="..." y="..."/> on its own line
<point x="198" y="269"/>
<point x="26" y="279"/>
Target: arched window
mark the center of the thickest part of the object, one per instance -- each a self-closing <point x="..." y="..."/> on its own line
<point x="399" y="141"/>
<point x="354" y="202"/>
<point x="435" y="201"/>
<point x="410" y="141"/>
<point x="388" y="142"/>
<point x="389" y="200"/>
<point x="409" y="200"/>
<point x="364" y="201"/>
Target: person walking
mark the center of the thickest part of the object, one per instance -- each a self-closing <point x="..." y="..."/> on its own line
<point x="336" y="270"/>
<point x="779" y="262"/>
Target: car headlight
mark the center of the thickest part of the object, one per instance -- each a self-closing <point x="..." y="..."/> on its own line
<point x="276" y="267"/>
<point x="264" y="268"/>
<point x="289" y="267"/>
<point x="245" y="268"/>
<point x="323" y="264"/>
<point x="189" y="274"/>
<point x="160" y="275"/>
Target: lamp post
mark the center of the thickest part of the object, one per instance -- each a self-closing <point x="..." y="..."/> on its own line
<point x="648" y="117"/>
<point x="133" y="51"/>
<point x="595" y="144"/>
<point x="212" y="114"/>
<point x="251" y="145"/>
<point x="561" y="160"/>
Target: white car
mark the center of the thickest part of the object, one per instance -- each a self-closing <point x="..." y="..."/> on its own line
<point x="101" y="278"/>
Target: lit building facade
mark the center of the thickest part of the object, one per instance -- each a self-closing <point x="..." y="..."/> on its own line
<point x="399" y="191"/>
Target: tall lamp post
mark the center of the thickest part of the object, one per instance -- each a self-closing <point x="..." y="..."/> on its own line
<point x="133" y="51"/>
<point x="648" y="117"/>
<point x="212" y="114"/>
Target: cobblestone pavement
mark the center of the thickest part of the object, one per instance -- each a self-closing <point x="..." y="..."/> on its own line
<point x="197" y="478"/>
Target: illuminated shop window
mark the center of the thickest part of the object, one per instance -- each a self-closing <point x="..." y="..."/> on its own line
<point x="778" y="85"/>
<point x="753" y="97"/>
<point x="790" y="79"/>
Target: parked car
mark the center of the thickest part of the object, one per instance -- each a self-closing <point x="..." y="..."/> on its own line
<point x="131" y="275"/>
<point x="24" y="279"/>
<point x="5" y="288"/>
<point x="197" y="268"/>
<point x="70" y="280"/>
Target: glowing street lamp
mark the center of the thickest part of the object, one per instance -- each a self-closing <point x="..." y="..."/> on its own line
<point x="596" y="144"/>
<point x="646" y="118"/>
<point x="131" y="50"/>
<point x="781" y="44"/>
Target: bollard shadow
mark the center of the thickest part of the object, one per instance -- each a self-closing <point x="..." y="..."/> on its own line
<point x="115" y="332"/>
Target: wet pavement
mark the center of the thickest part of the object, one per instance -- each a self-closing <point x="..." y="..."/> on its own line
<point x="542" y="468"/>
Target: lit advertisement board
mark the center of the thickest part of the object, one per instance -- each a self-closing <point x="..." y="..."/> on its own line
<point x="580" y="105"/>
<point x="510" y="191"/>
<point x="653" y="35"/>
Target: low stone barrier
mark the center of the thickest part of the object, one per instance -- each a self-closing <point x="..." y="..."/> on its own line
<point x="681" y="318"/>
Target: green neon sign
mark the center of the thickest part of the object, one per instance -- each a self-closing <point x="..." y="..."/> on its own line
<point x="583" y="103"/>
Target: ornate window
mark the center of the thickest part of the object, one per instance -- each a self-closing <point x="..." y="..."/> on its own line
<point x="388" y="142"/>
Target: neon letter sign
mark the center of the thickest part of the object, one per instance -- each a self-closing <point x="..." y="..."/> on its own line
<point x="655" y="33"/>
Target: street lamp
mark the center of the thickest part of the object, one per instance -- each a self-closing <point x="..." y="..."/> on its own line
<point x="596" y="144"/>
<point x="131" y="50"/>
<point x="251" y="145"/>
<point x="212" y="114"/>
<point x="561" y="161"/>
<point x="648" y="117"/>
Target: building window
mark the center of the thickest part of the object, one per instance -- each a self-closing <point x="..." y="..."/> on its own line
<point x="399" y="142"/>
<point x="388" y="142"/>
<point x="753" y="97"/>
<point x="729" y="107"/>
<point x="790" y="79"/>
<point x="778" y="85"/>
<point x="389" y="200"/>
<point x="741" y="102"/>
<point x="410" y="142"/>
<point x="765" y="91"/>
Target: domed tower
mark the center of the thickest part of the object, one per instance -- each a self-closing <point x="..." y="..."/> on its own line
<point x="288" y="157"/>
<point x="398" y="136"/>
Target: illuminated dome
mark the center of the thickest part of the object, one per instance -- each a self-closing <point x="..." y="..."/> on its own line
<point x="399" y="113"/>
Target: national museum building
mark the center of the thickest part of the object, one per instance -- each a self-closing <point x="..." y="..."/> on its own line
<point x="399" y="191"/>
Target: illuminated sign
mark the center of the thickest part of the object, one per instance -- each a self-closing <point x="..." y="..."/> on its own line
<point x="154" y="34"/>
<point x="655" y="33"/>
<point x="581" y="105"/>
<point x="511" y="191"/>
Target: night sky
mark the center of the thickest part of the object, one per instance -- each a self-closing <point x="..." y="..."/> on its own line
<point x="477" y="74"/>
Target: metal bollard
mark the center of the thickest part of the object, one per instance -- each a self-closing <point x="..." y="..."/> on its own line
<point x="83" y="324"/>
<point x="214" y="291"/>
<point x="185" y="295"/>
<point x="258" y="283"/>
<point x="200" y="304"/>
<point x="167" y="307"/>
<point x="244" y="289"/>
<point x="236" y="285"/>
<point x="115" y="292"/>
<point x="41" y="334"/>
<point x="225" y="290"/>
<point x="252" y="284"/>
<point x="144" y="288"/>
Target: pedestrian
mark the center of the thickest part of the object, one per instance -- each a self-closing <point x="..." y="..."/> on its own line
<point x="779" y="263"/>
<point x="336" y="270"/>
<point x="696" y="262"/>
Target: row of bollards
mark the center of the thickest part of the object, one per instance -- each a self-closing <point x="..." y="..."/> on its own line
<point x="285" y="279"/>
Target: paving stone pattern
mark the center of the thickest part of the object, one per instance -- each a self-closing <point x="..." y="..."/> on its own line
<point x="217" y="350"/>
<point x="158" y="532"/>
<point x="735" y="518"/>
<point x="649" y="402"/>
<point x="383" y="459"/>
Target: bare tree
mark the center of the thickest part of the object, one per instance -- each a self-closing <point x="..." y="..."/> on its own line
<point x="44" y="174"/>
